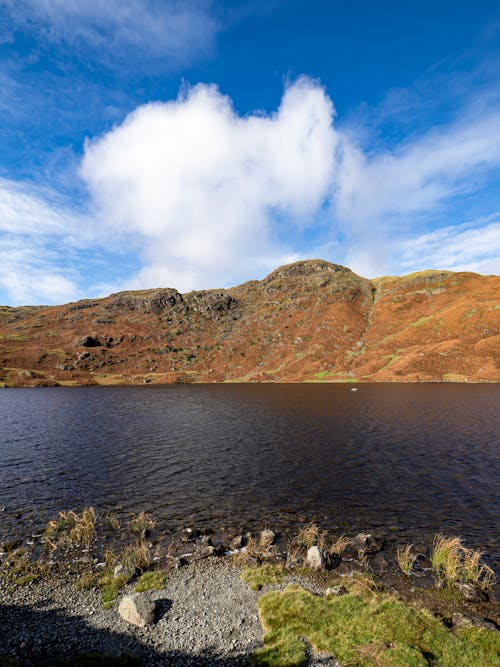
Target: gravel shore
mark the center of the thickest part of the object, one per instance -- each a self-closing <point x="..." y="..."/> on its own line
<point x="205" y="616"/>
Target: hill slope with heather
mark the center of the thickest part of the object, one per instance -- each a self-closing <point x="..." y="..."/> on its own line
<point x="307" y="321"/>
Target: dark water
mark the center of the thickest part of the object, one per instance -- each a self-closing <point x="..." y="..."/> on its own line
<point x="410" y="460"/>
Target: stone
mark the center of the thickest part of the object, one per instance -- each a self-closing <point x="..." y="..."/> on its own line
<point x="236" y="543"/>
<point x="460" y="620"/>
<point x="315" y="559"/>
<point x="380" y="563"/>
<point x="89" y="341"/>
<point x="137" y="610"/>
<point x="127" y="571"/>
<point x="267" y="538"/>
<point x="367" y="544"/>
<point x="471" y="593"/>
<point x="187" y="535"/>
<point x="334" y="591"/>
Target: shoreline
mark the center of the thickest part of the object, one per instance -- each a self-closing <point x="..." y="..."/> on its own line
<point x="205" y="613"/>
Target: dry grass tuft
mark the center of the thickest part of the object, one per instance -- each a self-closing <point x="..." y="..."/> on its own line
<point x="255" y="552"/>
<point x="453" y="562"/>
<point x="72" y="529"/>
<point x="446" y="559"/>
<point x="406" y="560"/>
<point x="112" y="521"/>
<point x="306" y="538"/>
<point x="475" y="572"/>
<point x="339" y="545"/>
<point x="141" y="524"/>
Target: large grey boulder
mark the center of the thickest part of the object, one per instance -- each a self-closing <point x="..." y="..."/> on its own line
<point x="137" y="610"/>
<point x="315" y="559"/>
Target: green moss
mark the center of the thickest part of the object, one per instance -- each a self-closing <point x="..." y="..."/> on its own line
<point x="151" y="581"/>
<point x="363" y="631"/>
<point x="26" y="579"/>
<point x="265" y="575"/>
<point x="110" y="587"/>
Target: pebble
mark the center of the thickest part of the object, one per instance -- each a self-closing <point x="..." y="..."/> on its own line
<point x="205" y="615"/>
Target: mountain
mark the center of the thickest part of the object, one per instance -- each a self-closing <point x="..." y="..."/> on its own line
<point x="307" y="321"/>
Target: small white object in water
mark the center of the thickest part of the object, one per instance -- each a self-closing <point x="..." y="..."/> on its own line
<point x="354" y="389"/>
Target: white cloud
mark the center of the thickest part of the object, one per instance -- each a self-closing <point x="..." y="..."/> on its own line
<point x="202" y="186"/>
<point x="163" y="32"/>
<point x="385" y="196"/>
<point x="418" y="175"/>
<point x="38" y="234"/>
<point x="472" y="246"/>
<point x="193" y="195"/>
<point x="30" y="274"/>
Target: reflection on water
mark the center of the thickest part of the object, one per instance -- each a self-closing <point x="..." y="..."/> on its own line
<point x="408" y="459"/>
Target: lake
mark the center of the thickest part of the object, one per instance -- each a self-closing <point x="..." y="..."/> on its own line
<point x="408" y="460"/>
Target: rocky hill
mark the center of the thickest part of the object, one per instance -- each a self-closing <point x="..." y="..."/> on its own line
<point x="307" y="321"/>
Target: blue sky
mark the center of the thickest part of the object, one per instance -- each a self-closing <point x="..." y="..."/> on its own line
<point x="200" y="144"/>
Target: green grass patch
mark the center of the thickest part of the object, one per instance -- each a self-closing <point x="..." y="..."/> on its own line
<point x="151" y="581"/>
<point x="26" y="579"/>
<point x="322" y="375"/>
<point x="265" y="575"/>
<point x="110" y="587"/>
<point x="364" y="631"/>
<point x="422" y="321"/>
<point x="390" y="359"/>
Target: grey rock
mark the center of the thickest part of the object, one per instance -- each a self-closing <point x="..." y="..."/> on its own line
<point x="315" y="559"/>
<point x="137" y="610"/>
<point x="471" y="593"/>
<point x="89" y="341"/>
<point x="367" y="544"/>
<point x="236" y="543"/>
<point x="127" y="571"/>
<point x="460" y="620"/>
<point x="334" y="591"/>
<point x="187" y="535"/>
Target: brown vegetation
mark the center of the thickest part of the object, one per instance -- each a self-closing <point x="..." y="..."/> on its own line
<point x="308" y="321"/>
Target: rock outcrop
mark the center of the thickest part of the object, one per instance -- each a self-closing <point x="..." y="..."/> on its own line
<point x="306" y="321"/>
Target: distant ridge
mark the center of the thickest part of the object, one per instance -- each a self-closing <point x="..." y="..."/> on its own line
<point x="307" y="321"/>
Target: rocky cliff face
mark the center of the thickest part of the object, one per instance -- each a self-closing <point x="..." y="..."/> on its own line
<point x="307" y="321"/>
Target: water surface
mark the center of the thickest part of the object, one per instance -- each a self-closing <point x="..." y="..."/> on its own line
<point x="410" y="460"/>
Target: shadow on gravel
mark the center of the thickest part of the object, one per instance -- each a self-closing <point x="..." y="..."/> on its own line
<point x="31" y="636"/>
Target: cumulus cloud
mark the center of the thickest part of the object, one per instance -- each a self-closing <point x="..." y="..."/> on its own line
<point x="205" y="188"/>
<point x="196" y="196"/>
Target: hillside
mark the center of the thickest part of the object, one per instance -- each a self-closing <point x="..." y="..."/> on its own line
<point x="307" y="321"/>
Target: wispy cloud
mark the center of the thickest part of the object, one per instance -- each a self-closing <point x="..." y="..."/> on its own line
<point x="165" y="33"/>
<point x="471" y="246"/>
<point x="39" y="235"/>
